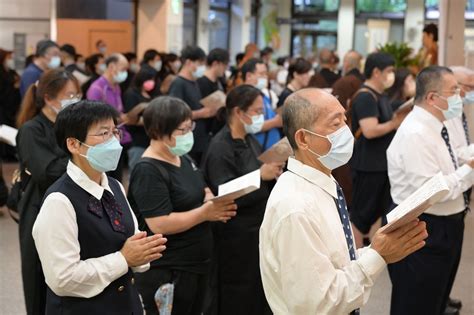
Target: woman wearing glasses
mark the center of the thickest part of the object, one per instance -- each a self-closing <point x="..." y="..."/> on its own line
<point x="170" y="197"/>
<point x="40" y="156"/>
<point x="86" y="234"/>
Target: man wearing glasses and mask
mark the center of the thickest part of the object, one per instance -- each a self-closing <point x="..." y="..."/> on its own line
<point x="422" y="148"/>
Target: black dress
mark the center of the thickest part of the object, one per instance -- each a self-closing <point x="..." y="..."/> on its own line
<point x="40" y="154"/>
<point x="9" y="106"/>
<point x="239" y="289"/>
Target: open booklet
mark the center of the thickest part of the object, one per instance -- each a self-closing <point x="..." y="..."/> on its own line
<point x="239" y="187"/>
<point x="277" y="153"/>
<point x="8" y="135"/>
<point x="424" y="197"/>
<point x="215" y="100"/>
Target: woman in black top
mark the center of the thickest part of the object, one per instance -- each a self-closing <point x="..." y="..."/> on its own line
<point x="95" y="66"/>
<point x="138" y="93"/>
<point x="10" y="96"/>
<point x="402" y="89"/>
<point x="299" y="74"/>
<point x="234" y="152"/>
<point x="39" y="153"/>
<point x="169" y="196"/>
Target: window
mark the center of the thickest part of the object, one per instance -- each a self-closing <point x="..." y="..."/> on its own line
<point x="219" y="24"/>
<point x="95" y="9"/>
<point x="390" y="9"/>
<point x="190" y="9"/>
<point x="308" y="38"/>
<point x="315" y="6"/>
<point x="432" y="10"/>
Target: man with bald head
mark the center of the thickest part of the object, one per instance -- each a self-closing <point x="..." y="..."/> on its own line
<point x="351" y="64"/>
<point x="107" y="89"/>
<point x="327" y="64"/>
<point x="308" y="260"/>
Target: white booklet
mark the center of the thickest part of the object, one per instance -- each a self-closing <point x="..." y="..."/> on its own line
<point x="215" y="100"/>
<point x="424" y="197"/>
<point x="239" y="187"/>
<point x="8" y="135"/>
<point x="277" y="153"/>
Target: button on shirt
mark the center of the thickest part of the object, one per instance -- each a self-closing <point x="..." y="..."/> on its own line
<point x="304" y="256"/>
<point x="417" y="153"/>
<point x="56" y="238"/>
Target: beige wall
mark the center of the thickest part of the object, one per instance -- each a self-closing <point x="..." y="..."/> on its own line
<point x="83" y="34"/>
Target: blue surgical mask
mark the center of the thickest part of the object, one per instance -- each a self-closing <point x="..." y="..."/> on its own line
<point x="454" y="107"/>
<point x="469" y="98"/>
<point x="199" y="71"/>
<point x="256" y="125"/>
<point x="342" y="145"/>
<point x="184" y="144"/>
<point x="121" y="76"/>
<point x="102" y="68"/>
<point x="262" y="83"/>
<point x="104" y="157"/>
<point x="54" y="62"/>
<point x="67" y="102"/>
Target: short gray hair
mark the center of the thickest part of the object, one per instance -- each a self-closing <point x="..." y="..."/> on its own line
<point x="428" y="80"/>
<point x="298" y="112"/>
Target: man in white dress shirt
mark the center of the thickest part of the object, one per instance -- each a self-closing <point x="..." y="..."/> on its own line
<point x="308" y="261"/>
<point x="421" y="149"/>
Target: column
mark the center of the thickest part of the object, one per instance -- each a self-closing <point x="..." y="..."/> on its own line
<point x="203" y="25"/>
<point x="414" y="21"/>
<point x="451" y="32"/>
<point x="345" y="27"/>
<point x="240" y="26"/>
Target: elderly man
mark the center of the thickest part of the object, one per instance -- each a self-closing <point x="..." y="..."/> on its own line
<point x="308" y="260"/>
<point x="422" y="148"/>
<point x="107" y="89"/>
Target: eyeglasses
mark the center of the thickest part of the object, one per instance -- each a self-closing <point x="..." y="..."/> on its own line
<point x="185" y="130"/>
<point x="106" y="135"/>
<point x="71" y="96"/>
<point x="456" y="91"/>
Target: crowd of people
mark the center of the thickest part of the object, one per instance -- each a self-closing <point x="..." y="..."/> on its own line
<point x="90" y="126"/>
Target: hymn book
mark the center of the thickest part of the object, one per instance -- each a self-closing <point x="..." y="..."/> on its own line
<point x="423" y="198"/>
<point x="215" y="100"/>
<point x="239" y="187"/>
<point x="8" y="135"/>
<point x="278" y="153"/>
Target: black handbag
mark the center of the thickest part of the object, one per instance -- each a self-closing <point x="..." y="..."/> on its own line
<point x="20" y="180"/>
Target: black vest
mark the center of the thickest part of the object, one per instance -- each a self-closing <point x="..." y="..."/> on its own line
<point x="96" y="239"/>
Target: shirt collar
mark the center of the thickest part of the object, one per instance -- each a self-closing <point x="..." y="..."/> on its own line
<point x="428" y="119"/>
<point x="81" y="179"/>
<point x="318" y="178"/>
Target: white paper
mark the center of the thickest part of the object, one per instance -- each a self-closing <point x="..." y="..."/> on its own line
<point x="8" y="135"/>
<point x="417" y="203"/>
<point x="277" y="153"/>
<point x="82" y="78"/>
<point x="240" y="186"/>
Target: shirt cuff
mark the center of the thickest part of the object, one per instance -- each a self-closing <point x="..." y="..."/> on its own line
<point x="371" y="262"/>
<point x="141" y="268"/>
<point x="464" y="171"/>
<point x="120" y="266"/>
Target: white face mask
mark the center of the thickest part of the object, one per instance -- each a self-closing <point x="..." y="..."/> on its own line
<point x="256" y="125"/>
<point x="469" y="98"/>
<point x="54" y="62"/>
<point x="454" y="107"/>
<point x="65" y="103"/>
<point x="157" y="65"/>
<point x="10" y="64"/>
<point x="342" y="145"/>
<point x="199" y="71"/>
<point x="262" y="83"/>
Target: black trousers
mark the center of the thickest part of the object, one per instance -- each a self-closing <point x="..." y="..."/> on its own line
<point x="189" y="290"/>
<point x="423" y="280"/>
<point x="370" y="198"/>
<point x="34" y="285"/>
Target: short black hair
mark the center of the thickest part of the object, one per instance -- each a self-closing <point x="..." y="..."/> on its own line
<point x="75" y="120"/>
<point x="219" y="55"/>
<point x="266" y="51"/>
<point x="242" y="97"/>
<point x="43" y="45"/>
<point x="431" y="29"/>
<point x="239" y="57"/>
<point x="193" y="53"/>
<point x="428" y="80"/>
<point x="250" y="66"/>
<point x="144" y="74"/>
<point x="299" y="66"/>
<point x="130" y="56"/>
<point x="281" y="60"/>
<point x="163" y="115"/>
<point x="91" y="62"/>
<point x="377" y="60"/>
<point x="69" y="49"/>
<point x="149" y="55"/>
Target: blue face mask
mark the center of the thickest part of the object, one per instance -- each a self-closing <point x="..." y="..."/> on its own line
<point x="54" y="62"/>
<point x="469" y="98"/>
<point x="104" y="157"/>
<point x="256" y="125"/>
<point x="121" y="77"/>
<point x="342" y="145"/>
<point x="184" y="144"/>
<point x="199" y="71"/>
<point x="454" y="107"/>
